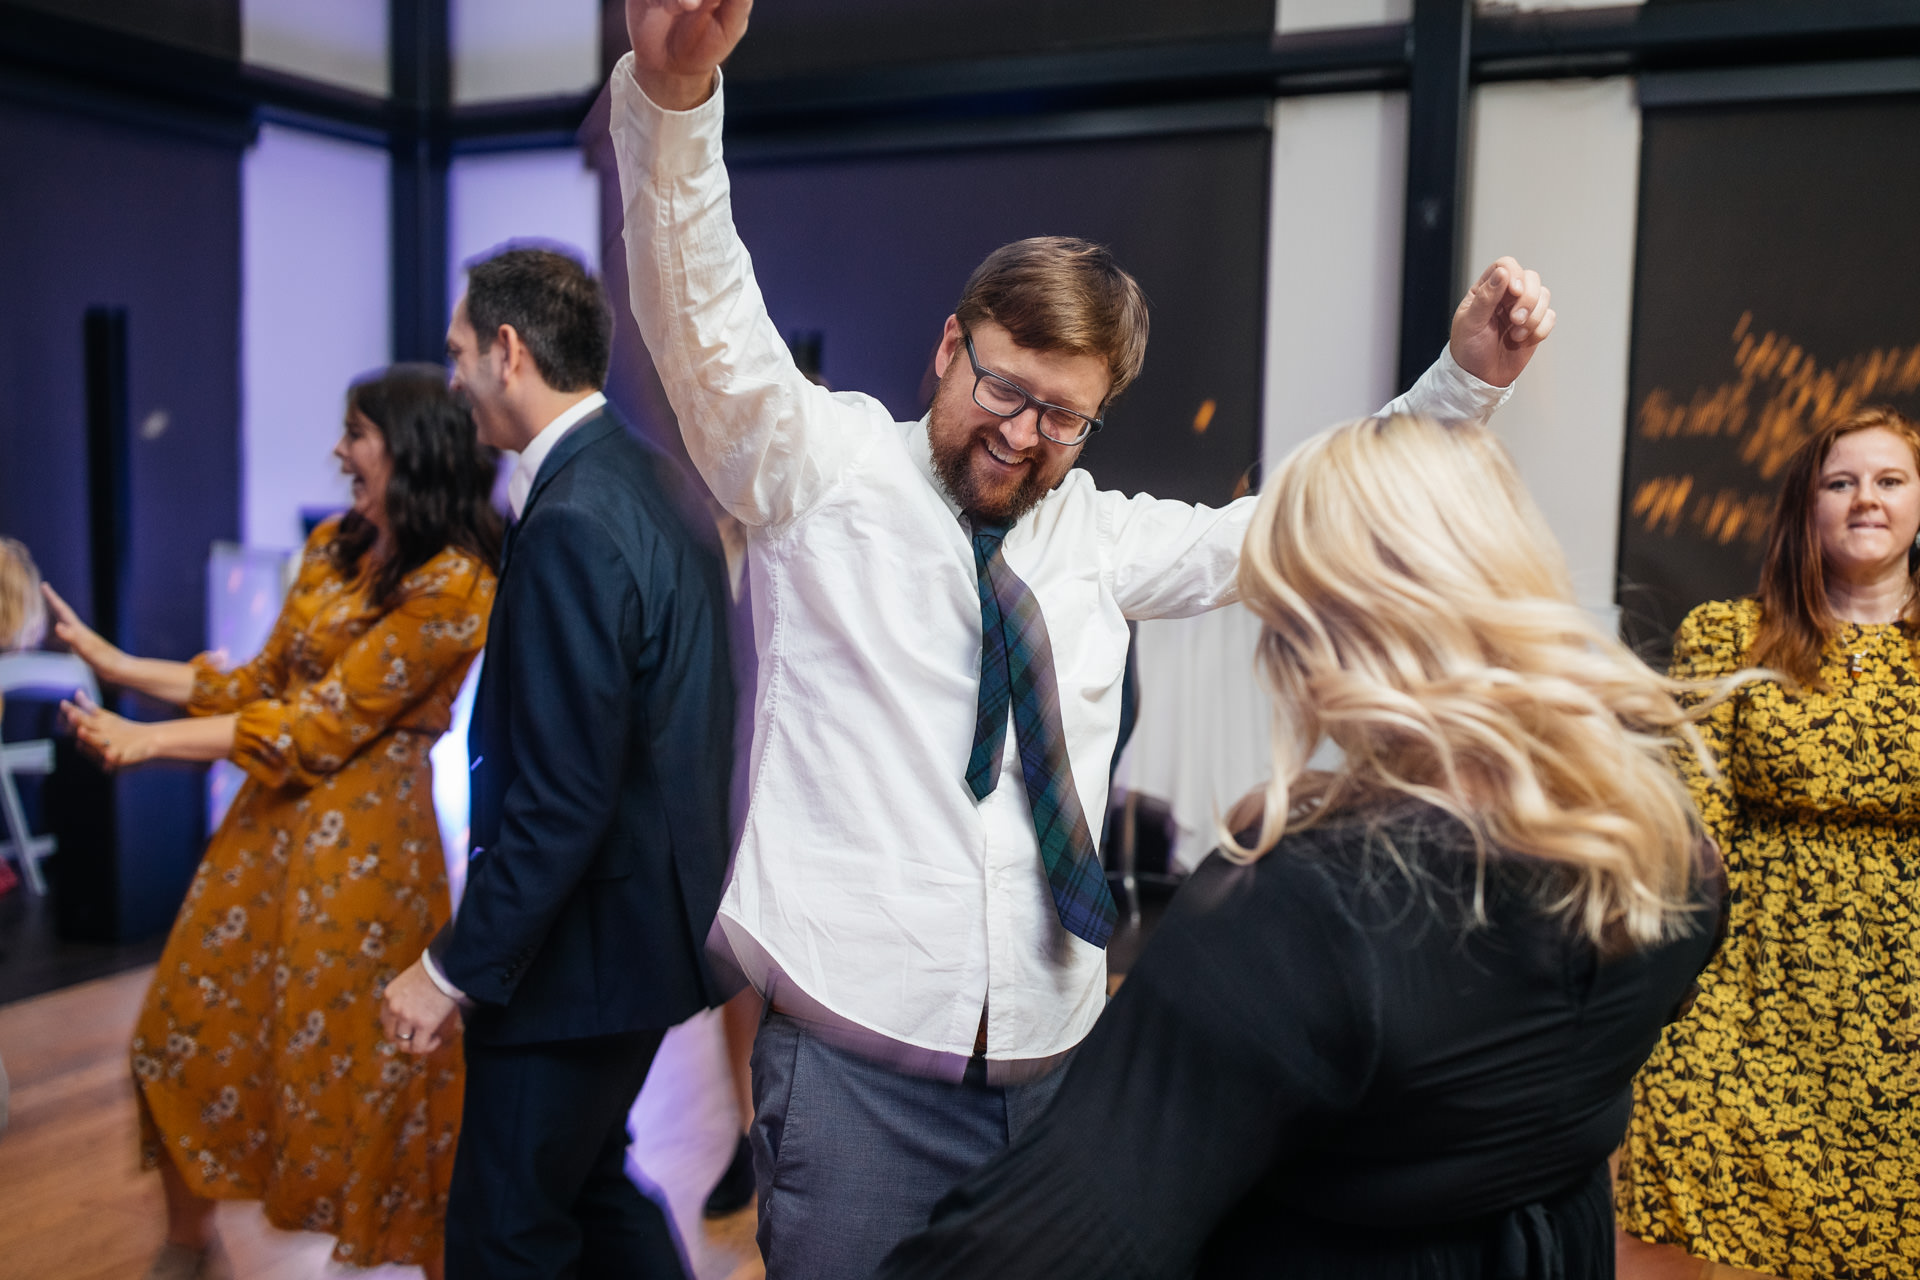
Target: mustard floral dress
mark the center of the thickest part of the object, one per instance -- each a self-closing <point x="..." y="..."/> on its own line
<point x="1777" y="1125"/>
<point x="259" y="1061"/>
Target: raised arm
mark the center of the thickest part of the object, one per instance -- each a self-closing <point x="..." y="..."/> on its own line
<point x="1496" y="328"/>
<point x="1170" y="559"/>
<point x="768" y="442"/>
<point x="157" y="678"/>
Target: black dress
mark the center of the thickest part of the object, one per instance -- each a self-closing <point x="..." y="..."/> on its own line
<point x="1321" y="1066"/>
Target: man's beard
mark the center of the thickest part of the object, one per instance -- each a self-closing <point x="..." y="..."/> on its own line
<point x="954" y="465"/>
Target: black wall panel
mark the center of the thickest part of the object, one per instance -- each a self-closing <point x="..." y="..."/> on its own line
<point x="209" y="26"/>
<point x="1775" y="288"/>
<point x="819" y="37"/>
<point x="871" y="254"/>
<point x="816" y="36"/>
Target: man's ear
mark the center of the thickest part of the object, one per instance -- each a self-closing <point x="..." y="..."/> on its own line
<point x="950" y="340"/>
<point x="513" y="353"/>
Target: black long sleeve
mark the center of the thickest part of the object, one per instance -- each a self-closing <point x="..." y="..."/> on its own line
<point x="1323" y="1064"/>
<point x="1184" y="1095"/>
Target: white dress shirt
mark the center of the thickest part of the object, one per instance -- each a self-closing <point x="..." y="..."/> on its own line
<point x="526" y="469"/>
<point x="869" y="884"/>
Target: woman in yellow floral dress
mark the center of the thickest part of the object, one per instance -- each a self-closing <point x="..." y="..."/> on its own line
<point x="1777" y="1127"/>
<point x="258" y="1059"/>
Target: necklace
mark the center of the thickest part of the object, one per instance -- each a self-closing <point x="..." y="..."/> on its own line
<point x="1855" y="667"/>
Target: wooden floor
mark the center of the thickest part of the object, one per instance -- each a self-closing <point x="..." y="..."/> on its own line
<point x="74" y="1204"/>
<point x="35" y="959"/>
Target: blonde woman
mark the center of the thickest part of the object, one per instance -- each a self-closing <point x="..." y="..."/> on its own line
<point x="1390" y="1031"/>
<point x="23" y="615"/>
<point x="23" y="620"/>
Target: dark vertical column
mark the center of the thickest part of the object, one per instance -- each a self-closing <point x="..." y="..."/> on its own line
<point x="422" y="84"/>
<point x="109" y="468"/>
<point x="1436" y="170"/>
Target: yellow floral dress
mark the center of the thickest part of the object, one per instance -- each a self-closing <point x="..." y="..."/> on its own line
<point x="1777" y="1125"/>
<point x="259" y="1060"/>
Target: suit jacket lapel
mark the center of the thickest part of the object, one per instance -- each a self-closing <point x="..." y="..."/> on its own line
<point x="590" y="429"/>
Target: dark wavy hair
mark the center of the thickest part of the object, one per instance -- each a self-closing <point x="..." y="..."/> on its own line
<point x="1795" y="620"/>
<point x="438" y="491"/>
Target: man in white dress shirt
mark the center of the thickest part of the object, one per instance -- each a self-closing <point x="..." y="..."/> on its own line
<point x="912" y="891"/>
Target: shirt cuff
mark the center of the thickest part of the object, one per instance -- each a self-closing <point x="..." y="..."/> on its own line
<point x="671" y="142"/>
<point x="1450" y="394"/>
<point x="439" y="980"/>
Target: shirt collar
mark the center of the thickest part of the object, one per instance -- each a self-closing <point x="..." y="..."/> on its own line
<point x="527" y="469"/>
<point x="920" y="450"/>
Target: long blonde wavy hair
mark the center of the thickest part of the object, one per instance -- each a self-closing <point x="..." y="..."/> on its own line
<point x="1419" y="614"/>
<point x="23" y="614"/>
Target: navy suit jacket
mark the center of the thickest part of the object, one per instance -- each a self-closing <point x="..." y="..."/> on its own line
<point x="601" y="745"/>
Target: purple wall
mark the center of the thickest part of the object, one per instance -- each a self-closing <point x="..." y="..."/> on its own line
<point x="95" y="213"/>
<point x="102" y="213"/>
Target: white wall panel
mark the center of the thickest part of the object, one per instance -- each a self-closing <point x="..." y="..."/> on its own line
<point x="1333" y="272"/>
<point x="1316" y="15"/>
<point x="343" y="42"/>
<point x="1555" y="174"/>
<point x="315" y="276"/>
<point x="546" y="195"/>
<point x="513" y="49"/>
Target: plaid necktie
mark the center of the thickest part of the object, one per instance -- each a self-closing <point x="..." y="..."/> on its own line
<point x="1016" y="666"/>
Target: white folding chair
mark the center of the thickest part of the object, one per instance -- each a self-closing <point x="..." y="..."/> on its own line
<point x="43" y="677"/>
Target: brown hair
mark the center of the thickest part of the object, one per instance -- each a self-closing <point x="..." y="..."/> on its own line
<point x="1795" y="621"/>
<point x="23" y="614"/>
<point x="437" y="492"/>
<point x="1058" y="293"/>
<point x="553" y="303"/>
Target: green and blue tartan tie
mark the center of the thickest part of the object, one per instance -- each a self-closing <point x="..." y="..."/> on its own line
<point x="1016" y="666"/>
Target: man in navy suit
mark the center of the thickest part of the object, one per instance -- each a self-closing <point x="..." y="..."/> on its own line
<point x="601" y="746"/>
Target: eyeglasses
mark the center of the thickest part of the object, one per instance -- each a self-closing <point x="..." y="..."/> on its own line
<point x="1004" y="399"/>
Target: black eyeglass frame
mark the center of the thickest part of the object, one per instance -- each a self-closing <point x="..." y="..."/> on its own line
<point x="1027" y="401"/>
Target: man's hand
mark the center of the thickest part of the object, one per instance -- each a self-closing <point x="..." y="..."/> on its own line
<point x="1499" y="323"/>
<point x="114" y="741"/>
<point x="416" y="1013"/>
<point x="677" y="44"/>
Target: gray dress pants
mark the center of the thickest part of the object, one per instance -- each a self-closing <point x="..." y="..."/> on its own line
<point x="850" y="1156"/>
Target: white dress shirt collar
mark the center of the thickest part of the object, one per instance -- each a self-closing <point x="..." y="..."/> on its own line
<point x="527" y="469"/>
<point x="920" y="451"/>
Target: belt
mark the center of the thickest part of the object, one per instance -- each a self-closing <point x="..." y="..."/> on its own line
<point x="789" y="1001"/>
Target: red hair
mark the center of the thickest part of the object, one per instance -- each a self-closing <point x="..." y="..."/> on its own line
<point x="1795" y="620"/>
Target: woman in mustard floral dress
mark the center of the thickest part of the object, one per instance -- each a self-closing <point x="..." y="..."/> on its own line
<point x="259" y="1062"/>
<point x="1777" y="1127"/>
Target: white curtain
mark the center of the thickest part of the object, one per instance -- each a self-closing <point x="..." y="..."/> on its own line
<point x="1201" y="741"/>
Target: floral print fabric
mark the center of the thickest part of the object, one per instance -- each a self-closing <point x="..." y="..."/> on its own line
<point x="259" y="1060"/>
<point x="1777" y="1125"/>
